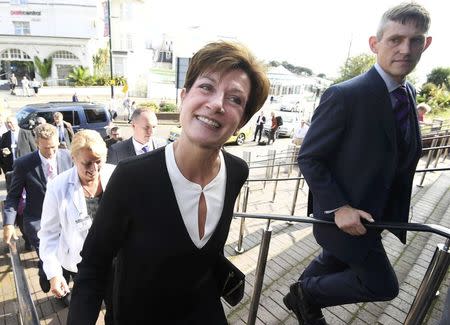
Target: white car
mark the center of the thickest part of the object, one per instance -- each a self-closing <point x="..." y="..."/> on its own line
<point x="291" y="121"/>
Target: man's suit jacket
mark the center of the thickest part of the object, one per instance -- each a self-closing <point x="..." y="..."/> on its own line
<point x="145" y="224"/>
<point x="29" y="175"/>
<point x="350" y="155"/>
<point x="68" y="132"/>
<point x="125" y="149"/>
<point x="26" y="142"/>
<point x="65" y="221"/>
<point x="7" y="161"/>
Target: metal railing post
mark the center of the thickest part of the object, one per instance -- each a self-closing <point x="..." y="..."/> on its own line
<point x="446" y="149"/>
<point x="239" y="249"/>
<point x="430" y="284"/>
<point x="294" y="200"/>
<point x="247" y="157"/>
<point x="438" y="155"/>
<point x="269" y="170"/>
<point x="430" y="155"/>
<point x="276" y="184"/>
<point x="259" y="274"/>
<point x="294" y="150"/>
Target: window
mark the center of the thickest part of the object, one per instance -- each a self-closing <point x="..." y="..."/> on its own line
<point x="18" y="2"/>
<point x="21" y="27"/>
<point x="66" y="55"/>
<point x="14" y="54"/>
<point x="71" y="117"/>
<point x="129" y="42"/>
<point x="95" y="114"/>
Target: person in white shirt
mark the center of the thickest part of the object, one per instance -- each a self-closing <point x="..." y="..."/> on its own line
<point x="168" y="212"/>
<point x="70" y="204"/>
<point x="25" y="86"/>
<point x="300" y="133"/>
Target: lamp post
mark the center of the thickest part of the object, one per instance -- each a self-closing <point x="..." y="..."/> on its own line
<point x="110" y="50"/>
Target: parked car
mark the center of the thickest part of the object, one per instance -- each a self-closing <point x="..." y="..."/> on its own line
<point x="290" y="122"/>
<point x="238" y="139"/>
<point x="82" y="115"/>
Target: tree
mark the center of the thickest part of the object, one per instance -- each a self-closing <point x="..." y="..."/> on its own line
<point x="44" y="67"/>
<point x="100" y="60"/>
<point x="439" y="76"/>
<point x="274" y="63"/>
<point x="321" y="75"/>
<point x="355" y="65"/>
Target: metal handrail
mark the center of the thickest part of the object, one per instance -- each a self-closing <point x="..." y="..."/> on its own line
<point x="27" y="311"/>
<point x="432" y="228"/>
<point x="432" y="279"/>
<point x="435" y="148"/>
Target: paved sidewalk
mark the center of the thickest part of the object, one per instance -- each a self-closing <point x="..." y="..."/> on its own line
<point x="292" y="248"/>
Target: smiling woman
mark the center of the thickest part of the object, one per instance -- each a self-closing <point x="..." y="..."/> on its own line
<point x="177" y="209"/>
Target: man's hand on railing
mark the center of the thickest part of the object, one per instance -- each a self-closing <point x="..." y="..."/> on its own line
<point x="58" y="286"/>
<point x="348" y="219"/>
<point x="9" y="231"/>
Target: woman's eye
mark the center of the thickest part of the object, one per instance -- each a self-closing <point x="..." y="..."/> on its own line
<point x="206" y="87"/>
<point x="236" y="100"/>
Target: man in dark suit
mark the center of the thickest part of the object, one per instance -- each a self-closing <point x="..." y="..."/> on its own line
<point x="143" y="122"/>
<point x="359" y="158"/>
<point x="31" y="173"/>
<point x="259" y="126"/>
<point x="8" y="144"/>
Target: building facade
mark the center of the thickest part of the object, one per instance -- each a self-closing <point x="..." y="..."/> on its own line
<point x="68" y="31"/>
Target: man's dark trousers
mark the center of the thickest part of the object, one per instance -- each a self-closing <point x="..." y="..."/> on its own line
<point x="342" y="283"/>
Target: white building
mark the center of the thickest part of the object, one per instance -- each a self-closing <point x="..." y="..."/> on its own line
<point x="69" y="31"/>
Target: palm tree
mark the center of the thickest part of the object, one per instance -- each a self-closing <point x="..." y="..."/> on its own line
<point x="44" y="67"/>
<point x="100" y="60"/>
<point x="80" y="75"/>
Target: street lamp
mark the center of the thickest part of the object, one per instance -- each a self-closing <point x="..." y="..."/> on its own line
<point x="110" y="50"/>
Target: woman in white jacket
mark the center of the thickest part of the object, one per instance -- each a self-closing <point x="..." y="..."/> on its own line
<point x="69" y="207"/>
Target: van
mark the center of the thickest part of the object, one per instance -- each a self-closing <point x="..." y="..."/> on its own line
<point x="82" y="115"/>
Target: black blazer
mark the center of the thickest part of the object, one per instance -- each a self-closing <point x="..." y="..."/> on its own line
<point x="29" y="175"/>
<point x="163" y="277"/>
<point x="6" y="162"/>
<point x="350" y="156"/>
<point x="26" y="142"/>
<point x="120" y="151"/>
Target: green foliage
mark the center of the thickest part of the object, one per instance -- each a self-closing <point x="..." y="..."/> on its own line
<point x="44" y="67"/>
<point x="100" y="59"/>
<point x="274" y="63"/>
<point x="355" y="65"/>
<point x="120" y="81"/>
<point x="80" y="76"/>
<point x="322" y="75"/>
<point x="149" y="105"/>
<point x="167" y="107"/>
<point x="438" y="97"/>
<point x="439" y="76"/>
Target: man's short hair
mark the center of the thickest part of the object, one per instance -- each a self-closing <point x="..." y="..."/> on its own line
<point x="138" y="112"/>
<point x="405" y="13"/>
<point x="45" y="131"/>
<point x="114" y="129"/>
<point x="423" y="106"/>
<point x="58" y="114"/>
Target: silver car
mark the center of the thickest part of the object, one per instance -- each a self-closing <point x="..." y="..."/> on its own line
<point x="290" y="122"/>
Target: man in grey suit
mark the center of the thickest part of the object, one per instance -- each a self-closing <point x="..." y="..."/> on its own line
<point x="31" y="173"/>
<point x="358" y="158"/>
<point x="143" y="122"/>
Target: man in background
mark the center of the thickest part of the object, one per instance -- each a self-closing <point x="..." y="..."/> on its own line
<point x="65" y="131"/>
<point x="143" y="122"/>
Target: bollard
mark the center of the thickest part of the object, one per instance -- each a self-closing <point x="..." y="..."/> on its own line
<point x="430" y="155"/>
<point x="276" y="185"/>
<point x="238" y="249"/>
<point x="259" y="274"/>
<point x="430" y="284"/>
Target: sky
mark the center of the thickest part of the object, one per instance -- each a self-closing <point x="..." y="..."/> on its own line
<point x="317" y="34"/>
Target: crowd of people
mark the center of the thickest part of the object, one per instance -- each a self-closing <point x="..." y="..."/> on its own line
<point x="93" y="214"/>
